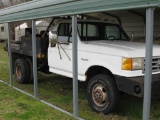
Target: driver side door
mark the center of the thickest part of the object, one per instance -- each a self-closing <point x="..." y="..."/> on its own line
<point x="61" y="54"/>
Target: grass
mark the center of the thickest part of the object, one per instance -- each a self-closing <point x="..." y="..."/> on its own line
<point x="17" y="106"/>
<point x="57" y="90"/>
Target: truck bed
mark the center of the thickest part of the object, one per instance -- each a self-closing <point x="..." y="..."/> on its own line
<point x="15" y="48"/>
<point x="25" y="47"/>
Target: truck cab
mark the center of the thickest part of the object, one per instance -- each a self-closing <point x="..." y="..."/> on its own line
<point x="94" y="39"/>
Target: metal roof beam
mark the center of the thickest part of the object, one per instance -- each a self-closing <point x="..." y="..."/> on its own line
<point x="31" y="6"/>
<point x="50" y="8"/>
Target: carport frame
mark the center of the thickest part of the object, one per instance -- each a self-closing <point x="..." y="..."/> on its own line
<point x="148" y="63"/>
<point x="149" y="40"/>
<point x="34" y="53"/>
<point x="10" y="54"/>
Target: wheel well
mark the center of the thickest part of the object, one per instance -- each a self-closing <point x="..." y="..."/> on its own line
<point x="94" y="70"/>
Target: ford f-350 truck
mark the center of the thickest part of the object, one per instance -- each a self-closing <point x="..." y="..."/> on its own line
<point x="107" y="60"/>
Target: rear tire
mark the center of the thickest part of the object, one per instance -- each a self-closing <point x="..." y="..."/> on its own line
<point x="31" y="71"/>
<point x="21" y="70"/>
<point x="102" y="93"/>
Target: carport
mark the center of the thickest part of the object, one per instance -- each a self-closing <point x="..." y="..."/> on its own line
<point x="53" y="8"/>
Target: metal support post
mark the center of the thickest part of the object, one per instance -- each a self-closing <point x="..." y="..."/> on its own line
<point x="10" y="54"/>
<point x="75" y="65"/>
<point x="34" y="53"/>
<point x="148" y="63"/>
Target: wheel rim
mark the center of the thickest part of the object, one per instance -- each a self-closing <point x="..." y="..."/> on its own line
<point x="18" y="71"/>
<point x="99" y="95"/>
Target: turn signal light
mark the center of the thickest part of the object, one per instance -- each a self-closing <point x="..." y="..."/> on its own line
<point x="126" y="63"/>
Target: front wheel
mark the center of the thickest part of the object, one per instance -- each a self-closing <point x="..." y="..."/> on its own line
<point x="102" y="93"/>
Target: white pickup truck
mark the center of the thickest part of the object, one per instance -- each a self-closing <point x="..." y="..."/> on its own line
<point x="107" y="60"/>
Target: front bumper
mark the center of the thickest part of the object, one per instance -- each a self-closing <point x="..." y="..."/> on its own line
<point x="135" y="85"/>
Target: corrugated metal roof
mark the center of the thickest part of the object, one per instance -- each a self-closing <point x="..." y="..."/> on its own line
<point x="49" y="8"/>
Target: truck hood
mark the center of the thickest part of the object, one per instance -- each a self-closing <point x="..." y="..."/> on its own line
<point x="121" y="48"/>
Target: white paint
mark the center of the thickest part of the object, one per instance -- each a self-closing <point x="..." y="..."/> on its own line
<point x="108" y="54"/>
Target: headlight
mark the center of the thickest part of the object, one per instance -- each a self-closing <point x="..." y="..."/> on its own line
<point x="132" y="63"/>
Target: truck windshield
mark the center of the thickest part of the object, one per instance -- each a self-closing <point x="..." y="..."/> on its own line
<point x="91" y="31"/>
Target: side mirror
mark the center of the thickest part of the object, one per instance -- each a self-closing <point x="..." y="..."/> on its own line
<point x="53" y="37"/>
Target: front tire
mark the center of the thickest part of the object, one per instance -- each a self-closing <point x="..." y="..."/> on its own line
<point x="102" y="93"/>
<point x="21" y="70"/>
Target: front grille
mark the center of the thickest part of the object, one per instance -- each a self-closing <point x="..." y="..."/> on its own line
<point x="155" y="64"/>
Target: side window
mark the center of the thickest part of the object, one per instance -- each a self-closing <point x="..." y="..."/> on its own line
<point x="88" y="31"/>
<point x="112" y="32"/>
<point x="92" y="30"/>
<point x="64" y="31"/>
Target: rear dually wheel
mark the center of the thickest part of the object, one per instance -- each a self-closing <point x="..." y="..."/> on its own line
<point x="21" y="70"/>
